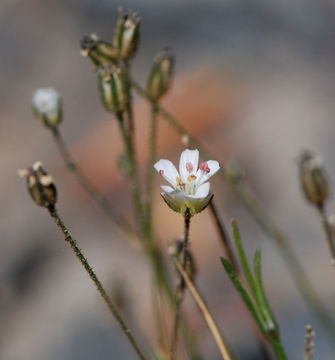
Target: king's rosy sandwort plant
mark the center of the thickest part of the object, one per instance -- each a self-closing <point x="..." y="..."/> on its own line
<point x="188" y="192"/>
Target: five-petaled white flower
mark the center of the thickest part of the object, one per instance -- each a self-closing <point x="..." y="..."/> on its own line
<point x="189" y="188"/>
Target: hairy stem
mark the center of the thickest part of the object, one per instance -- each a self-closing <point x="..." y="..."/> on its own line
<point x="68" y="238"/>
<point x="181" y="287"/>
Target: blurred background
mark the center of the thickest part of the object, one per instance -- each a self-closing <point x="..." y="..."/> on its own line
<point x="254" y="81"/>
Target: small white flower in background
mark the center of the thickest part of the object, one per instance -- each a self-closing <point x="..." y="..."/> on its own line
<point x="47" y="106"/>
<point x="190" y="187"/>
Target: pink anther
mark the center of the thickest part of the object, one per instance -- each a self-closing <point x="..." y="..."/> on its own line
<point x="161" y="172"/>
<point x="189" y="166"/>
<point x="204" y="167"/>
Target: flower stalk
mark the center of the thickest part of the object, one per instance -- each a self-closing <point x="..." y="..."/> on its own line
<point x="179" y="295"/>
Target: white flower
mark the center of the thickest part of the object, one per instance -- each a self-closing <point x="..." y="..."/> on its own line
<point x="189" y="187"/>
<point x="47" y="105"/>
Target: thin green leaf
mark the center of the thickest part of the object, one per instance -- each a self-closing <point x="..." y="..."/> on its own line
<point x="243" y="292"/>
<point x="243" y="259"/>
<point x="269" y="320"/>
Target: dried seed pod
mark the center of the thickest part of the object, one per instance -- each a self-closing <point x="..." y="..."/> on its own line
<point x="126" y="33"/>
<point x="40" y="185"/>
<point x="113" y="89"/>
<point x="100" y="52"/>
<point x="161" y="74"/>
<point x="47" y="106"/>
<point x="313" y="179"/>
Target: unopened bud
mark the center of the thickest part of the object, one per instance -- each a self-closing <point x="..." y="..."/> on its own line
<point x="47" y="106"/>
<point x="161" y="75"/>
<point x="313" y="179"/>
<point x="40" y="185"/>
<point x="113" y="89"/>
<point x="100" y="52"/>
<point x="126" y="33"/>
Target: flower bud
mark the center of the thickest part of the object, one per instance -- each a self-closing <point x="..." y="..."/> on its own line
<point x="40" y="185"/>
<point x="113" y="89"/>
<point x="313" y="179"/>
<point x="47" y="106"/>
<point x="100" y="52"/>
<point x="126" y="33"/>
<point x="161" y="74"/>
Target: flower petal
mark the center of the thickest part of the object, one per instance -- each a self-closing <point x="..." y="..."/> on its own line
<point x="167" y="189"/>
<point x="188" y="164"/>
<point x="169" y="172"/>
<point x="203" y="176"/>
<point x="202" y="191"/>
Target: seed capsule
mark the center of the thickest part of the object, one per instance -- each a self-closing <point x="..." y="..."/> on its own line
<point x="126" y="33"/>
<point x="40" y="185"/>
<point x="100" y="52"/>
<point x="113" y="89"/>
<point x="161" y="75"/>
<point x="313" y="179"/>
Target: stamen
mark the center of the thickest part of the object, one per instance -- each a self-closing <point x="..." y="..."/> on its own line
<point x="161" y="172"/>
<point x="189" y="166"/>
<point x="204" y="167"/>
<point x="191" y="177"/>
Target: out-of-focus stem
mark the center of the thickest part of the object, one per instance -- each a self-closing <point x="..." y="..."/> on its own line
<point x="309" y="346"/>
<point x="247" y="198"/>
<point x="328" y="232"/>
<point x="133" y="175"/>
<point x="152" y="157"/>
<point x="85" y="183"/>
<point x="224" y="237"/>
<point x="68" y="238"/>
<point x="203" y="308"/>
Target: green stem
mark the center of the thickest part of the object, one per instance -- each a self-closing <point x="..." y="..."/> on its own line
<point x="85" y="183"/>
<point x="135" y="183"/>
<point x="68" y="238"/>
<point x="181" y="287"/>
<point x="304" y="285"/>
<point x="224" y="237"/>
<point x="152" y="158"/>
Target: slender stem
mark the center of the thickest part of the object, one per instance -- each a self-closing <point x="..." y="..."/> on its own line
<point x="202" y="306"/>
<point x="181" y="287"/>
<point x="85" y="183"/>
<point x="225" y="240"/>
<point x="152" y="156"/>
<point x="328" y="232"/>
<point x="242" y="190"/>
<point x="68" y="238"/>
<point x="135" y="183"/>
